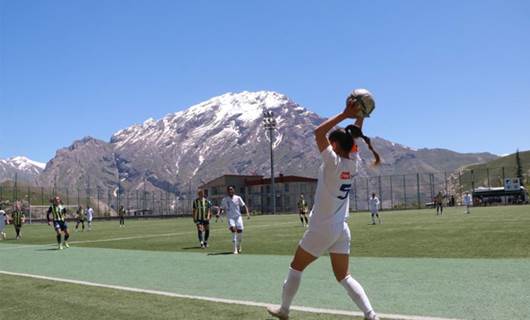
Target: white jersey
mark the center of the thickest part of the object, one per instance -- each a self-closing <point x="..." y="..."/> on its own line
<point x="232" y="206"/>
<point x="2" y="219"/>
<point x="467" y="200"/>
<point x="373" y="203"/>
<point x="332" y="201"/>
<point x="90" y="214"/>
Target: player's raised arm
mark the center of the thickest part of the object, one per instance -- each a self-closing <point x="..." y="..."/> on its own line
<point x="350" y="111"/>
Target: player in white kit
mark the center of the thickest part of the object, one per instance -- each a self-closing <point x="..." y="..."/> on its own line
<point x="3" y="221"/>
<point x="468" y="202"/>
<point x="232" y="204"/>
<point x="328" y="230"/>
<point x="90" y="217"/>
<point x="374" y="208"/>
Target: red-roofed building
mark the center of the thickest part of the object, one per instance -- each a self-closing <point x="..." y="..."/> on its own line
<point x="256" y="191"/>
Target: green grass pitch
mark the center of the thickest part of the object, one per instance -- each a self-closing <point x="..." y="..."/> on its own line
<point x="405" y="263"/>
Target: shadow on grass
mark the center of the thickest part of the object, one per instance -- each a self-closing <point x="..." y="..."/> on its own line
<point x="220" y="253"/>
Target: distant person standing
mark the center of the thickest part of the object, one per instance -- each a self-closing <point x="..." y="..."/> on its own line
<point x="374" y="208"/>
<point x="232" y="204"/>
<point x="439" y="202"/>
<point x="3" y="222"/>
<point x="217" y="212"/>
<point x="201" y="217"/>
<point x="121" y="213"/>
<point x="467" y="201"/>
<point x="81" y="217"/>
<point x="18" y="218"/>
<point x="89" y="216"/>
<point x="302" y="210"/>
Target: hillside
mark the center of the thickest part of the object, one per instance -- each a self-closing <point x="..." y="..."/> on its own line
<point x="496" y="170"/>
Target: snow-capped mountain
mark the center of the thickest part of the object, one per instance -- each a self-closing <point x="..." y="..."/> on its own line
<point x="224" y="135"/>
<point x="24" y="168"/>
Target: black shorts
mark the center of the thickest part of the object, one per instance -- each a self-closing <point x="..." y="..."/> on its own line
<point x="60" y="225"/>
<point x="202" y="222"/>
<point x="302" y="212"/>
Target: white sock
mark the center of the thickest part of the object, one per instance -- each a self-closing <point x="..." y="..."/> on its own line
<point x="357" y="294"/>
<point x="234" y="240"/>
<point x="239" y="238"/>
<point x="290" y="286"/>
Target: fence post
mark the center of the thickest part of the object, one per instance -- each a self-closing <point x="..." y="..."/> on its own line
<point x="29" y="203"/>
<point x="367" y="194"/>
<point x="380" y="192"/>
<point x="391" y="195"/>
<point x="473" y="180"/>
<point x="404" y="193"/>
<point x="431" y="180"/>
<point x="445" y="180"/>
<point x="97" y="199"/>
<point x="418" y="189"/>
<point x="503" y="176"/>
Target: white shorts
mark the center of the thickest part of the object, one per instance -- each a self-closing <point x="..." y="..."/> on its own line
<point x="236" y="223"/>
<point x="334" y="239"/>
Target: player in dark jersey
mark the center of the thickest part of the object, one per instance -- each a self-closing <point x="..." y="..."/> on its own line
<point x="302" y="210"/>
<point x="18" y="219"/>
<point x="58" y="213"/>
<point x="81" y="218"/>
<point x="121" y="213"/>
<point x="201" y="218"/>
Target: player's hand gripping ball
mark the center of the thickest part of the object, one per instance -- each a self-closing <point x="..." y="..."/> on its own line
<point x="363" y="99"/>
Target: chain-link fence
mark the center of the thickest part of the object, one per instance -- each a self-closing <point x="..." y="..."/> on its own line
<point x="105" y="202"/>
<point x="406" y="191"/>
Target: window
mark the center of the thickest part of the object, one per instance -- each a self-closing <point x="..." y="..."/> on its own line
<point x="286" y="187"/>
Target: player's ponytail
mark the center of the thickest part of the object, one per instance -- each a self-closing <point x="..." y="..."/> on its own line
<point x="356" y="132"/>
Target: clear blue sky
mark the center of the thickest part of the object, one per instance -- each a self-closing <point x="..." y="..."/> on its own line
<point x="450" y="74"/>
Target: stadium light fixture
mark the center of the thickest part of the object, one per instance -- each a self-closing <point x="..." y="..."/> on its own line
<point x="269" y="123"/>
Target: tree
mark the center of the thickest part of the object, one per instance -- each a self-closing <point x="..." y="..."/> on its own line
<point x="519" y="167"/>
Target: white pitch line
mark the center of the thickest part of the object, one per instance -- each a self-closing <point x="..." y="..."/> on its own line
<point x="218" y="300"/>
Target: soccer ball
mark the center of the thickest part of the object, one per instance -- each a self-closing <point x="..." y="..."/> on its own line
<point x="364" y="99"/>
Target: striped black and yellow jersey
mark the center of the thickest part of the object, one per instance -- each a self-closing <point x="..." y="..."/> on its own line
<point x="302" y="204"/>
<point x="18" y="217"/>
<point x="81" y="214"/>
<point x="58" y="213"/>
<point x="200" y="208"/>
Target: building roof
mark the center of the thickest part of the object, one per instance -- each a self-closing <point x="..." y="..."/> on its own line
<point x="256" y="180"/>
<point x="280" y="179"/>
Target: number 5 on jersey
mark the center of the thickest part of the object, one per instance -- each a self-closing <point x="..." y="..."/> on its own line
<point x="346" y="188"/>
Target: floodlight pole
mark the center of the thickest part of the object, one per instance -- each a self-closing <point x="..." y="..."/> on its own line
<point x="270" y="124"/>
